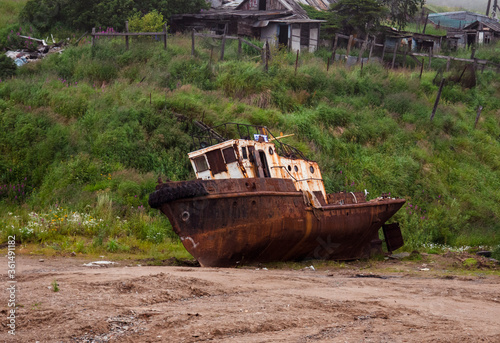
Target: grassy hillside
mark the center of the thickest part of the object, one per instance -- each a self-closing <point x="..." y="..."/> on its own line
<point x="478" y="6"/>
<point x="9" y="10"/>
<point x="86" y="133"/>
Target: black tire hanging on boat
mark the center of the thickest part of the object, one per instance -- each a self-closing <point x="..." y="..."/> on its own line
<point x="173" y="192"/>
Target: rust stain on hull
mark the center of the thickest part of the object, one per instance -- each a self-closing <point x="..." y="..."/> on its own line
<point x="230" y="221"/>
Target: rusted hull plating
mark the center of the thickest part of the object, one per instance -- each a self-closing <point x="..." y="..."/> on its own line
<point x="226" y="222"/>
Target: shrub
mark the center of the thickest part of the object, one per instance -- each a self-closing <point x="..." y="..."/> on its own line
<point x="7" y="67"/>
<point x="149" y="22"/>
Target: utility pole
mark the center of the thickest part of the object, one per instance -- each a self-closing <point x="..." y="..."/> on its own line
<point x="488" y="8"/>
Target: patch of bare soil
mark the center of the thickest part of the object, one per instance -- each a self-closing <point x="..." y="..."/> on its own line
<point x="386" y="301"/>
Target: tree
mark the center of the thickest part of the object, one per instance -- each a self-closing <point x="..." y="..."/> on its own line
<point x="400" y="11"/>
<point x="361" y="16"/>
<point x="86" y="14"/>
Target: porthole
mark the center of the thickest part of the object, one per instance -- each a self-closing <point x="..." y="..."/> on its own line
<point x="311" y="168"/>
<point x="289" y="168"/>
<point x="185" y="216"/>
<point x="296" y="168"/>
<point x="271" y="151"/>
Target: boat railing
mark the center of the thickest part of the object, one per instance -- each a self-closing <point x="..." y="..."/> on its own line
<point x="209" y="136"/>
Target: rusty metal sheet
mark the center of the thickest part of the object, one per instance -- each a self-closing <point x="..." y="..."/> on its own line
<point x="393" y="236"/>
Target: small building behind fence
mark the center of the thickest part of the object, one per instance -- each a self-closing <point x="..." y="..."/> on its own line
<point x="280" y="22"/>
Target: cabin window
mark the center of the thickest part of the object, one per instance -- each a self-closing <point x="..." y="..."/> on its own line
<point x="200" y="163"/>
<point x="251" y="153"/>
<point x="244" y="152"/>
<point x="271" y="151"/>
<point x="216" y="161"/>
<point x="296" y="168"/>
<point x="311" y="168"/>
<point x="229" y="155"/>
<point x="289" y="168"/>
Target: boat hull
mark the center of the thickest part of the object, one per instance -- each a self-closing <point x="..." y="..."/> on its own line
<point x="226" y="222"/>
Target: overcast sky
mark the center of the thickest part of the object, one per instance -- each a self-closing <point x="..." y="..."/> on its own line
<point x="475" y="5"/>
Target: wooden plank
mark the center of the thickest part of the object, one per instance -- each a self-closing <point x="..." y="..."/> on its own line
<point x="437" y="98"/>
<point x="207" y="35"/>
<point x="251" y="44"/>
<point x="414" y="58"/>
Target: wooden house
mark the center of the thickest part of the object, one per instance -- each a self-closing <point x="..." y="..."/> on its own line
<point x="280" y="22"/>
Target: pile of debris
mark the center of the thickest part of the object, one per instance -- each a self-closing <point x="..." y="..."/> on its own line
<point x="23" y="56"/>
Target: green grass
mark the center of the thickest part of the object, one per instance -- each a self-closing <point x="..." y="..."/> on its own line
<point x="430" y="29"/>
<point x="88" y="131"/>
<point x="10" y="11"/>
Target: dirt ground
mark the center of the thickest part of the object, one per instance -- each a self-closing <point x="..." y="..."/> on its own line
<point x="385" y="301"/>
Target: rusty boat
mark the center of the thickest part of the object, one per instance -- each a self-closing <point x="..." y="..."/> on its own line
<point x="256" y="199"/>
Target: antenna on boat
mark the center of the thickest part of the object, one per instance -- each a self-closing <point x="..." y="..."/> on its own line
<point x="281" y="136"/>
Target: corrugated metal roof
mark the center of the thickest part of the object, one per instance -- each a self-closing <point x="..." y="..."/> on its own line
<point x="458" y="19"/>
<point x="321" y="5"/>
<point x="492" y="25"/>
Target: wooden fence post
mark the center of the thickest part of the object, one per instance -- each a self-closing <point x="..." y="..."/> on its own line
<point x="422" y="68"/>
<point x="192" y="43"/>
<point x="334" y="50"/>
<point x="479" y="109"/>
<point x="165" y="36"/>
<point x="126" y="37"/>
<point x="296" y="62"/>
<point x="239" y="47"/>
<point x="404" y="57"/>
<point x="448" y="60"/>
<point x="363" y="48"/>
<point x="425" y="25"/>
<point x="93" y="36"/>
<point x="351" y="38"/>
<point x="223" y="45"/>
<point x="437" y="98"/>
<point x="395" y="53"/>
<point x="266" y="53"/>
<point x="430" y="57"/>
<point x="371" y="48"/>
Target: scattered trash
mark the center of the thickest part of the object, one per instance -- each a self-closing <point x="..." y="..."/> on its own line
<point x="98" y="264"/>
<point x="311" y="267"/>
<point x="20" y="61"/>
<point x="484" y="253"/>
<point x="264" y="268"/>
<point x="399" y="256"/>
<point x="24" y="56"/>
<point x="424" y="269"/>
<point x="372" y="275"/>
<point x="41" y="260"/>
